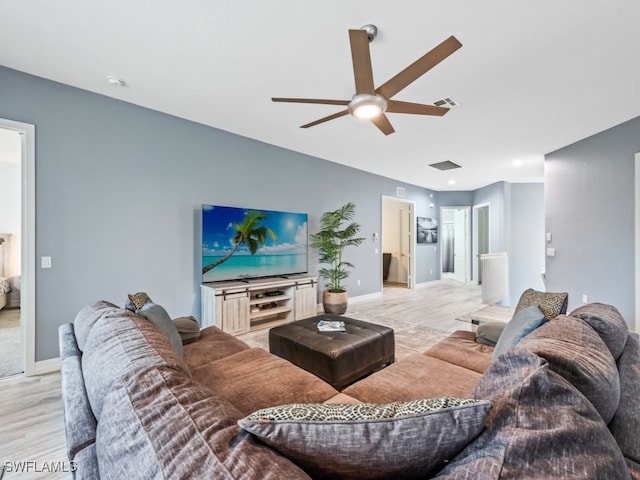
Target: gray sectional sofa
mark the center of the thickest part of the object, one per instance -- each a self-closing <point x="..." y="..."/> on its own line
<point x="562" y="403"/>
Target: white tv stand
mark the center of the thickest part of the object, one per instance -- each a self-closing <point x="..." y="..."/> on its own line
<point x="239" y="307"/>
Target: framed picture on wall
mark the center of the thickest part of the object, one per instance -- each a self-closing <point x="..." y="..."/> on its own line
<point x="427" y="231"/>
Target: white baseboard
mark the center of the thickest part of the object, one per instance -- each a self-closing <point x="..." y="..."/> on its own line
<point x="366" y="296"/>
<point x="47" y="366"/>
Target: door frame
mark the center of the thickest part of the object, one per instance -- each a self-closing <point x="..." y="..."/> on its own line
<point x="27" y="132"/>
<point x="637" y="239"/>
<point x="412" y="238"/>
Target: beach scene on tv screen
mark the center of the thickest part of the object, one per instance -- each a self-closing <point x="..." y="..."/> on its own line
<point x="286" y="254"/>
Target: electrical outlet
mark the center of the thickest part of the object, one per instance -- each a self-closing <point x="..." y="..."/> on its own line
<point x="585" y="298"/>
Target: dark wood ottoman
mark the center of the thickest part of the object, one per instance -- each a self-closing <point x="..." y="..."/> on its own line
<point x="338" y="358"/>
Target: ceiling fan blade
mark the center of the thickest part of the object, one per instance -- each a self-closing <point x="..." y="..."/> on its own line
<point x="383" y="123"/>
<point x="326" y="119"/>
<point x="395" y="106"/>
<point x="311" y="100"/>
<point x="419" y="67"/>
<point x="361" y="58"/>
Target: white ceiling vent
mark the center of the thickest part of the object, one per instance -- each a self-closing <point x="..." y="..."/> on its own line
<point x="446" y="102"/>
<point x="400" y="192"/>
<point x="446" y="165"/>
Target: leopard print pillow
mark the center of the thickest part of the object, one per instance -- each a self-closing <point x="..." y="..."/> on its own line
<point x="139" y="299"/>
<point x="413" y="439"/>
<point x="352" y="412"/>
<point x="551" y="304"/>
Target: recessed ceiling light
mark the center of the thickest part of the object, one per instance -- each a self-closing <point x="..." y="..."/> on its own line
<point x="452" y="182"/>
<point x="115" y="81"/>
<point x="517" y="163"/>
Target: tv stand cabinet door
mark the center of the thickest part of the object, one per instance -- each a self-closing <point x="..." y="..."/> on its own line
<point x="306" y="300"/>
<point x="235" y="313"/>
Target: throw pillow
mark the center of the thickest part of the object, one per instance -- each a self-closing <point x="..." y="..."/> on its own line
<point x="161" y="319"/>
<point x="188" y="328"/>
<point x="521" y="325"/>
<point x="136" y="301"/>
<point x="488" y="333"/>
<point x="551" y="304"/>
<point x="399" y="440"/>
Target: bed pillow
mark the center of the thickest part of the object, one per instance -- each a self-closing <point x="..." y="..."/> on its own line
<point x="521" y="325"/>
<point x="404" y="440"/>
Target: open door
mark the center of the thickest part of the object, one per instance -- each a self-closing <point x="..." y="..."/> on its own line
<point x="455" y="247"/>
<point x="398" y="238"/>
<point x="460" y="245"/>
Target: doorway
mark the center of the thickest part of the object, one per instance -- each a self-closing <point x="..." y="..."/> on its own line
<point x="454" y="249"/>
<point x="398" y="243"/>
<point x="480" y="239"/>
<point x="22" y="239"/>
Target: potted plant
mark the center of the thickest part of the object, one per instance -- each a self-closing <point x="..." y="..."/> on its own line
<point x="337" y="231"/>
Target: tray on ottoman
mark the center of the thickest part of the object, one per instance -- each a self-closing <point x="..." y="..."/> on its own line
<point x="339" y="358"/>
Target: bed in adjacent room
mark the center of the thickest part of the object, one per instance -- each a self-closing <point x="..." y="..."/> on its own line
<point x="5" y="286"/>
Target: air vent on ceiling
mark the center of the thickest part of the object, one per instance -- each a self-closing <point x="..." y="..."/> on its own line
<point x="446" y="102"/>
<point x="446" y="165"/>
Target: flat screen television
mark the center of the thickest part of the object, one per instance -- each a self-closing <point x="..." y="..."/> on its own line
<point x="284" y="255"/>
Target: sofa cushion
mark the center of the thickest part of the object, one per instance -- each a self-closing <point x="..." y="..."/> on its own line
<point x="625" y="425"/>
<point x="461" y="348"/>
<point x="575" y="351"/>
<point x="522" y="324"/>
<point x="87" y="317"/>
<point x="159" y="317"/>
<point x="403" y="439"/>
<point x="607" y="321"/>
<point x="121" y="342"/>
<point x="252" y="379"/>
<point x="212" y="345"/>
<point x="540" y="426"/>
<point x="188" y="328"/>
<point x="552" y="304"/>
<point x="157" y="423"/>
<point x="416" y="376"/>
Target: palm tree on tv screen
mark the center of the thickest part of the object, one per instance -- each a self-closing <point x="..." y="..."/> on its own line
<point x="249" y="233"/>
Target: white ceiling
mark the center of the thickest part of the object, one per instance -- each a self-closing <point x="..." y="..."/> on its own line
<point x="532" y="75"/>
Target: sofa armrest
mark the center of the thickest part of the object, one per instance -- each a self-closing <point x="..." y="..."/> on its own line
<point x="80" y="423"/>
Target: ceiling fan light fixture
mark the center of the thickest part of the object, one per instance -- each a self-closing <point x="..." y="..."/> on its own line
<point x="367" y="106"/>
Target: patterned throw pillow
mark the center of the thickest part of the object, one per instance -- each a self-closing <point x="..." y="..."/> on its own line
<point x="551" y="304"/>
<point x="137" y="301"/>
<point x="403" y="439"/>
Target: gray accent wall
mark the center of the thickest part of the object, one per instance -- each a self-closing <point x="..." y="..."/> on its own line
<point x="589" y="211"/>
<point x="119" y="190"/>
<point x="516" y="226"/>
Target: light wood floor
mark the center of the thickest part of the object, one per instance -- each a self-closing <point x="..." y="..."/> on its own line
<point x="31" y="414"/>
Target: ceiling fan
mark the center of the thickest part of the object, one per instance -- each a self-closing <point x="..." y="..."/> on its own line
<point x="372" y="103"/>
